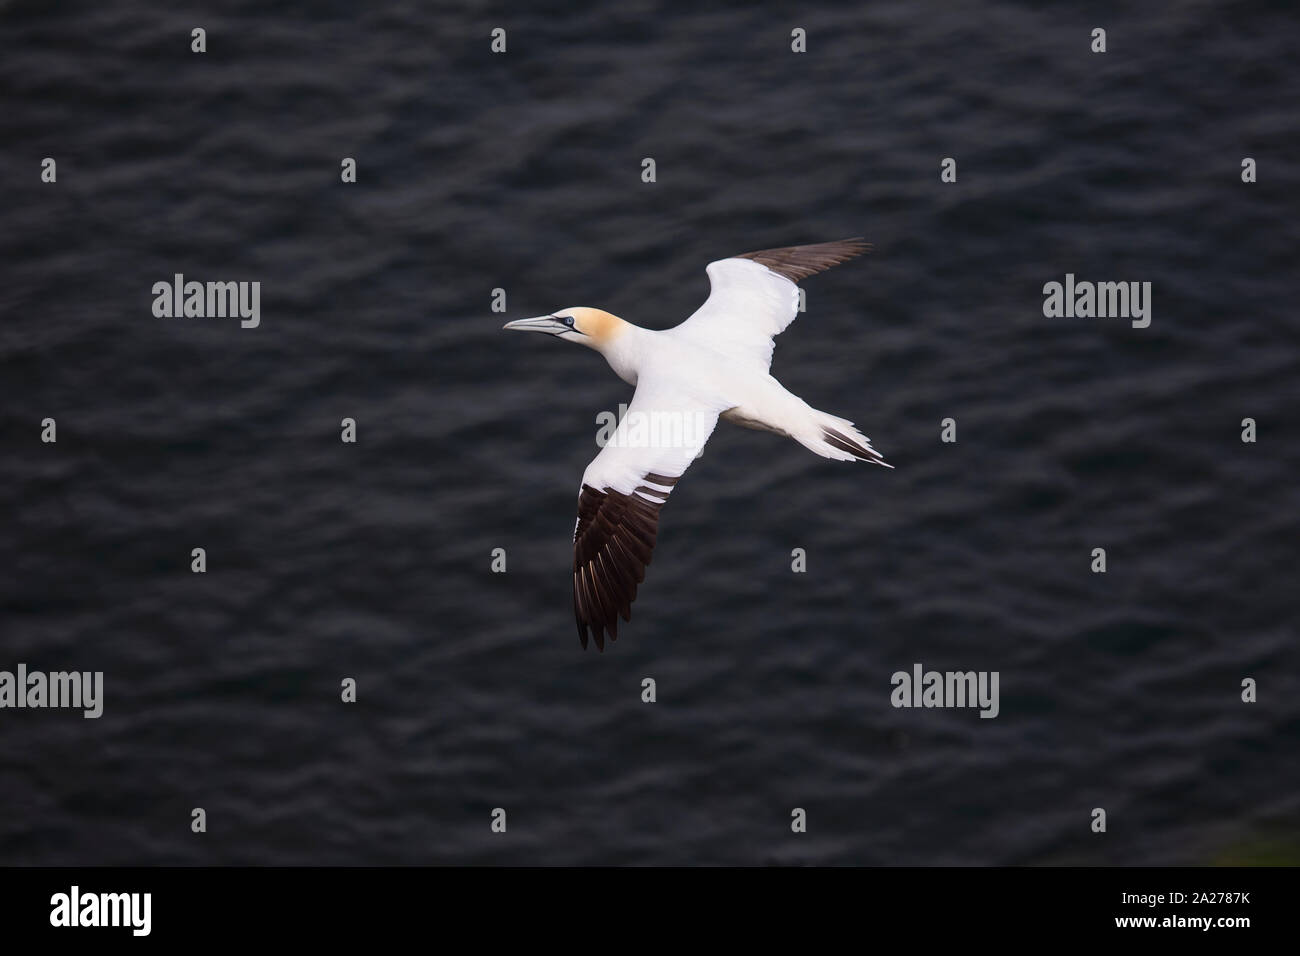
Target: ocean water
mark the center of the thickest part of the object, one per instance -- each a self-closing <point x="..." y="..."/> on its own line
<point x="522" y="172"/>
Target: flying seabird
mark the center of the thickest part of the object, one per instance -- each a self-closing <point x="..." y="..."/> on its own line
<point x="714" y="365"/>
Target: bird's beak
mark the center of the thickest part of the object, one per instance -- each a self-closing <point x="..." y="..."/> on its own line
<point x="543" y="323"/>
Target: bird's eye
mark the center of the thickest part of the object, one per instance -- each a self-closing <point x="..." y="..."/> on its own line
<point x="568" y="320"/>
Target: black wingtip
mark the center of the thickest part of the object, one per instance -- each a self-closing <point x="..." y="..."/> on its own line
<point x="799" y="262"/>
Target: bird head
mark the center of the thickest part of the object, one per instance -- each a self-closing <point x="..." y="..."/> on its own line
<point x="593" y="328"/>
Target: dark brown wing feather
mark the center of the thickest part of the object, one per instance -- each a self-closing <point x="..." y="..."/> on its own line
<point x="612" y="545"/>
<point x="800" y="262"/>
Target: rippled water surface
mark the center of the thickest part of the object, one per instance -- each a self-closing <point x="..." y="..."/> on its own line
<point x="522" y="172"/>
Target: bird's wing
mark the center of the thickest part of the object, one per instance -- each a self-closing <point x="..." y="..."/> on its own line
<point x="753" y="297"/>
<point x="623" y="489"/>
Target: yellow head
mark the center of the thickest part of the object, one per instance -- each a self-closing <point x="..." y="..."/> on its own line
<point x="593" y="328"/>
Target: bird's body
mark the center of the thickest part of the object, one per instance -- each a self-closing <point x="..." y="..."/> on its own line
<point x="714" y="365"/>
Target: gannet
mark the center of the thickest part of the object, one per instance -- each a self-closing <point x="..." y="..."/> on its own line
<point x="714" y="365"/>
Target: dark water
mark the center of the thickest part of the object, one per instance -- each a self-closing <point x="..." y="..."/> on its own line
<point x="522" y="172"/>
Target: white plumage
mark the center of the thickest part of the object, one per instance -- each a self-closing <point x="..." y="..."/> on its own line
<point x="714" y="365"/>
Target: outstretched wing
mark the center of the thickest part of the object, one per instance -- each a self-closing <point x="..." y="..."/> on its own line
<point x="623" y="489"/>
<point x="753" y="296"/>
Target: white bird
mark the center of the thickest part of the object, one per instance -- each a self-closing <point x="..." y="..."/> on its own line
<point x="714" y="365"/>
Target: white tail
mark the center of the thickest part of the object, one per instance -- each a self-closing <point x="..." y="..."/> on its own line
<point x="834" y="437"/>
